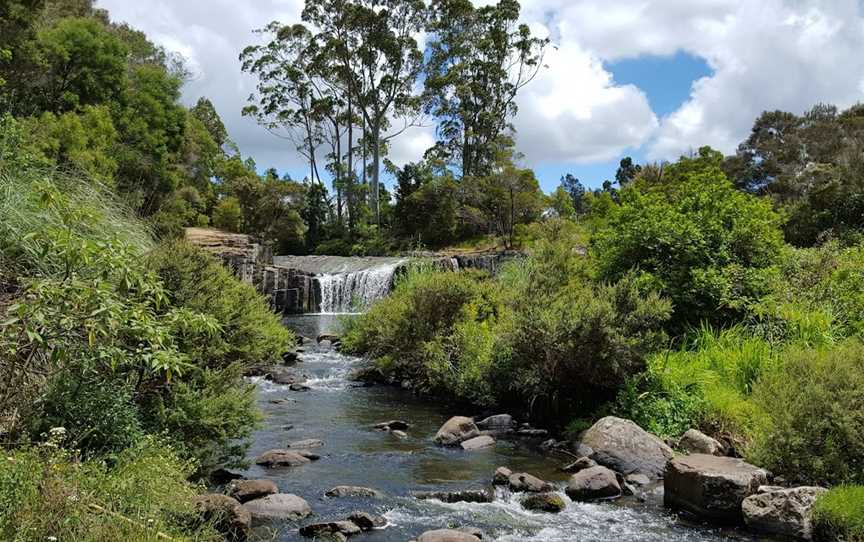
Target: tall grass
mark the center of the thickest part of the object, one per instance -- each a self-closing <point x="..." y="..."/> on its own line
<point x="839" y="515"/>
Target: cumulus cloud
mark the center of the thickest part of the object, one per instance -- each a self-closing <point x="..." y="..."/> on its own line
<point x="765" y="54"/>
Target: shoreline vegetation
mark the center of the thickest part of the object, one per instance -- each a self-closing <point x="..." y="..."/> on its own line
<point x="723" y="294"/>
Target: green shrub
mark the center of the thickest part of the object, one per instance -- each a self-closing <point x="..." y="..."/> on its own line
<point x="46" y="493"/>
<point x="695" y="238"/>
<point x="814" y="404"/>
<point x="251" y="334"/>
<point x="839" y="515"/>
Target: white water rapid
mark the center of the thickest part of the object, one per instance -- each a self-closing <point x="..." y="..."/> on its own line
<point x="355" y="291"/>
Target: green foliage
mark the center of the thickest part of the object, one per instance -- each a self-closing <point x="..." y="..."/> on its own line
<point x="227" y="215"/>
<point x="46" y="493"/>
<point x="815" y="429"/>
<point x="694" y="238"/>
<point x="839" y="515"/>
<point x="251" y="334"/>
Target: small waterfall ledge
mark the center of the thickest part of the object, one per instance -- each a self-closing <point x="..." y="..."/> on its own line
<point x="325" y="284"/>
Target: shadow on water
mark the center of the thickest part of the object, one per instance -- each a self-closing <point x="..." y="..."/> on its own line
<point x="355" y="454"/>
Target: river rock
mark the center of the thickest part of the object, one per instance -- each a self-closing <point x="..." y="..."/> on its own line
<point x="478" y="443"/>
<point x="579" y="465"/>
<point x="782" y="512"/>
<point x="544" y="502"/>
<point x="498" y="422"/>
<point x="697" y="442"/>
<point x="279" y="506"/>
<point x="623" y="446"/>
<point x="711" y="487"/>
<point x="299" y="387"/>
<point x="392" y="425"/>
<point x="594" y="483"/>
<point x="329" y="337"/>
<point x="532" y="433"/>
<point x="501" y="476"/>
<point x="283" y="458"/>
<point x="290" y="357"/>
<point x="352" y="491"/>
<point x="637" y="480"/>
<point x="306" y="444"/>
<point x="285" y="377"/>
<point x="367" y="522"/>
<point x="226" y="514"/>
<point x="317" y="530"/>
<point x="521" y="481"/>
<point x="447" y="535"/>
<point x="466" y="495"/>
<point x="399" y="434"/>
<point x="456" y="430"/>
<point x="248" y="490"/>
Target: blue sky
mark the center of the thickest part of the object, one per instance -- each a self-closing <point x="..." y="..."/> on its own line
<point x="651" y="79"/>
<point x="666" y="81"/>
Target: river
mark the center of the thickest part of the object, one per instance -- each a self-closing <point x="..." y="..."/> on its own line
<point x="342" y="415"/>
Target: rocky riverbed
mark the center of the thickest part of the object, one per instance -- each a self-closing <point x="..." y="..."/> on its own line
<point x="332" y="449"/>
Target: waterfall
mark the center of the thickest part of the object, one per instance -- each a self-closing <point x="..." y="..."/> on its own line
<point x="355" y="291"/>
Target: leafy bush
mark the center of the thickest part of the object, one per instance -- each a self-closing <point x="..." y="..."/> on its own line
<point x="839" y="515"/>
<point x="250" y="333"/>
<point x="47" y="494"/>
<point x="815" y="420"/>
<point x="694" y="238"/>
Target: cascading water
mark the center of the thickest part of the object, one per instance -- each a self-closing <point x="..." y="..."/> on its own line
<point x="355" y="291"/>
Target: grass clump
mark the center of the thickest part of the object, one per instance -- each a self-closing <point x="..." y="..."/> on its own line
<point x="839" y="515"/>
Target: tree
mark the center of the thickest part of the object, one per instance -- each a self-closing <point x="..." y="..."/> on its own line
<point x="479" y="60"/>
<point x="627" y="171"/>
<point x="562" y="204"/>
<point x="576" y="190"/>
<point x="694" y="238"/>
<point x="426" y="205"/>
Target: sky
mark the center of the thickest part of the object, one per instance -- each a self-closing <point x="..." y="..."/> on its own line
<point x="651" y="79"/>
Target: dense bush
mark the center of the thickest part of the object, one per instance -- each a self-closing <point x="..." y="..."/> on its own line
<point x="48" y="494"/>
<point x="814" y="404"/>
<point x="542" y="337"/>
<point x="695" y="238"/>
<point x="839" y="515"/>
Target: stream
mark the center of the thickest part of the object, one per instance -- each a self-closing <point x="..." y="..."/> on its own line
<point x="354" y="453"/>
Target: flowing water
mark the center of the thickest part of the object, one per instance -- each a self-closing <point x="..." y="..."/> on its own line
<point x="356" y="290"/>
<point x="342" y="415"/>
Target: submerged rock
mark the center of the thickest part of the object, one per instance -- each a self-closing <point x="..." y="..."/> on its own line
<point x="696" y="442"/>
<point x="306" y="444"/>
<point x="477" y="443"/>
<point x="594" y="483"/>
<point x="544" y="502"/>
<point x="467" y="495"/>
<point x="393" y="425"/>
<point x="456" y="430"/>
<point x="624" y="447"/>
<point x="521" y="481"/>
<point x="711" y="487"/>
<point x="352" y="491"/>
<point x="447" y="535"/>
<point x="227" y="515"/>
<point x="247" y="490"/>
<point x="299" y="387"/>
<point x="783" y="512"/>
<point x="283" y="458"/>
<point x="279" y="506"/>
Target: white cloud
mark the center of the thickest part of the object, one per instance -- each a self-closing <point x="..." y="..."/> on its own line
<point x="765" y="54"/>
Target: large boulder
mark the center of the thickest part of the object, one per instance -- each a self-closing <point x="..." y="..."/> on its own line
<point x="711" y="487"/>
<point x="352" y="491"/>
<point x="478" y="443"/>
<point x="521" y="481"/>
<point x="279" y="507"/>
<point x="248" y="490"/>
<point x="624" y="447"/>
<point x="501" y="476"/>
<point x="284" y="458"/>
<point x="782" y="512"/>
<point x="447" y="535"/>
<point x="456" y="430"/>
<point x="498" y="422"/>
<point x="544" y="502"/>
<point x="226" y="514"/>
<point x="594" y="483"/>
<point x="697" y="442"/>
<point x="466" y="495"/>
